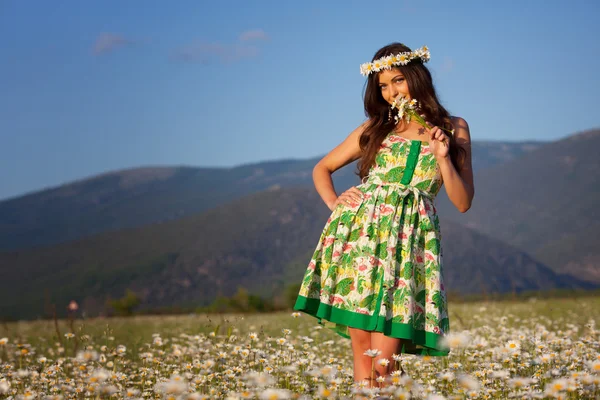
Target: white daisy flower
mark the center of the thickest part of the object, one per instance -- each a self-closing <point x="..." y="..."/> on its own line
<point x="275" y="394"/>
<point x="519" y="382"/>
<point x="456" y="340"/>
<point x="468" y="382"/>
<point x="401" y="394"/>
<point x="447" y="376"/>
<point x="4" y="386"/>
<point x="174" y="386"/>
<point x="502" y="374"/>
<point x="388" y="61"/>
<point x="372" y="353"/>
<point x="556" y="386"/>
<point x="513" y="345"/>
<point x="99" y="376"/>
<point x="23" y="373"/>
<point x="594" y="366"/>
<point x="384" y="362"/>
<point x="436" y="397"/>
<point x="324" y="392"/>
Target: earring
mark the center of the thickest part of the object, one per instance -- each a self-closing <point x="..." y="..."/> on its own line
<point x="390" y="114"/>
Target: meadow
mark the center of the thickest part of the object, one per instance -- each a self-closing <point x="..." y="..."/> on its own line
<point x="531" y="349"/>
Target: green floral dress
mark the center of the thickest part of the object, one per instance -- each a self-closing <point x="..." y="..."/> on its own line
<point x="378" y="263"/>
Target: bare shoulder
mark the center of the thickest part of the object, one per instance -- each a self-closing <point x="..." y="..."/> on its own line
<point x="360" y="129"/>
<point x="461" y="131"/>
<point x="462" y="136"/>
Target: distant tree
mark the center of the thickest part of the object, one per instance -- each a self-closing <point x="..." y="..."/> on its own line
<point x="220" y="304"/>
<point x="240" y="300"/>
<point x="260" y="304"/>
<point x="291" y="294"/>
<point x="125" y="305"/>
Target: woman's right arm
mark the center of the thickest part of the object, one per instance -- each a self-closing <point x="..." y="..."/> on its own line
<point x="342" y="155"/>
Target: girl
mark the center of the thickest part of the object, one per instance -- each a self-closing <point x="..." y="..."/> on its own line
<point x="376" y="275"/>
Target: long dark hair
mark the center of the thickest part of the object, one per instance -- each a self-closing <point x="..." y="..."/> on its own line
<point x="420" y="86"/>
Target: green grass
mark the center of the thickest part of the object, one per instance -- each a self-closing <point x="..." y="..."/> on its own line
<point x="133" y="331"/>
<point x="557" y="344"/>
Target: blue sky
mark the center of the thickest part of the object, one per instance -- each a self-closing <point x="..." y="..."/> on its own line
<point x="91" y="87"/>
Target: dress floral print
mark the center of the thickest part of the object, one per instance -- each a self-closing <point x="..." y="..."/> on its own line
<point x="378" y="264"/>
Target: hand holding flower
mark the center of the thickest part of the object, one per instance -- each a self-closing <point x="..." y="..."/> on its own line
<point x="439" y="141"/>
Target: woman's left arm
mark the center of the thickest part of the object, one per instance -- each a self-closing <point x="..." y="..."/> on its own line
<point x="459" y="184"/>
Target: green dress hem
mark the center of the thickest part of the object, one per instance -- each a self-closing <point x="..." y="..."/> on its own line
<point x="421" y="342"/>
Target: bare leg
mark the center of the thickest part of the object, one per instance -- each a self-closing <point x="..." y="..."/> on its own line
<point x="361" y="342"/>
<point x="388" y="346"/>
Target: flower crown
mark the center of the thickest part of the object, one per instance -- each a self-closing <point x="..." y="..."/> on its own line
<point x="395" y="59"/>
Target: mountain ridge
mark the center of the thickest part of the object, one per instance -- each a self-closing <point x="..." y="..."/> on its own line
<point x="258" y="242"/>
<point x="139" y="196"/>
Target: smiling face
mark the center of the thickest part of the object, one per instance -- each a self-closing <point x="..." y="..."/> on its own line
<point x="393" y="84"/>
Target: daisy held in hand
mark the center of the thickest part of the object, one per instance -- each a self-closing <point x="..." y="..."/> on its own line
<point x="408" y="109"/>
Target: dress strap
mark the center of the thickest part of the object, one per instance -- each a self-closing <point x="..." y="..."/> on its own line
<point x="411" y="162"/>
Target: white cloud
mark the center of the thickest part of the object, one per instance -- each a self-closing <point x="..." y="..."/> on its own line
<point x="211" y="52"/>
<point x="107" y="42"/>
<point x="255" y="34"/>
